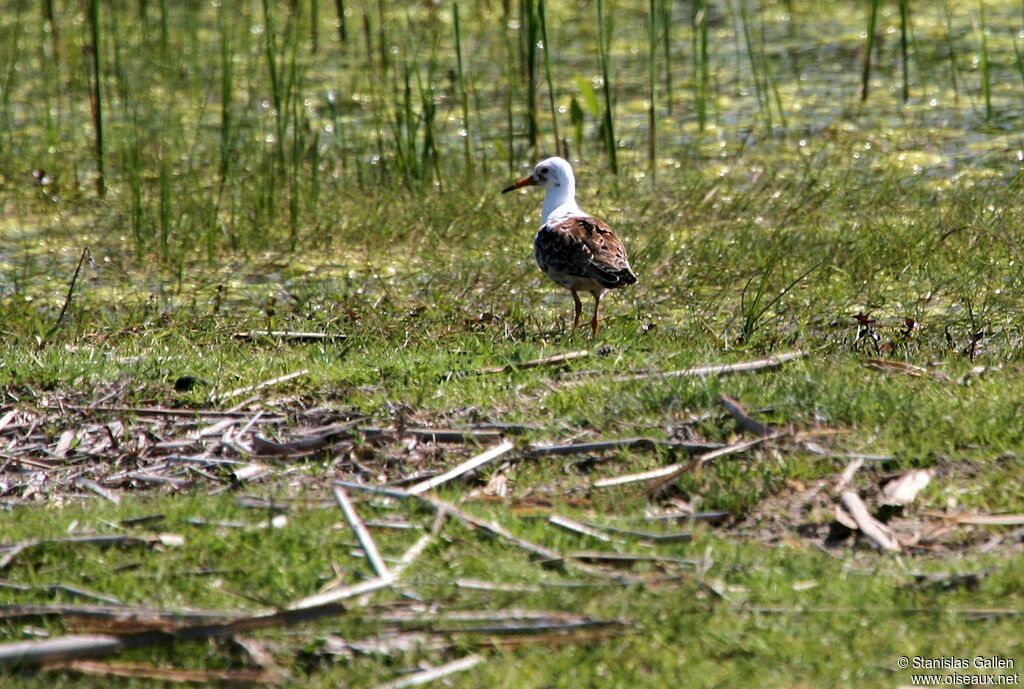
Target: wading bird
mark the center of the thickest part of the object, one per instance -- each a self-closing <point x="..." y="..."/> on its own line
<point x="573" y="248"/>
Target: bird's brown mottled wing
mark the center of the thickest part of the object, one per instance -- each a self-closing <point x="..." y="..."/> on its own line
<point x="584" y="248"/>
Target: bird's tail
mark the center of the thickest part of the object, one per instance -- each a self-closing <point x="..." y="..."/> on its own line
<point x="613" y="279"/>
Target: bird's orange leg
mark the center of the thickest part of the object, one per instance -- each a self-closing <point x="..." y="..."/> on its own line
<point x="579" y="309"/>
<point x="597" y="306"/>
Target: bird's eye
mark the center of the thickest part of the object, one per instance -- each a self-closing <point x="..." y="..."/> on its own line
<point x="543" y="171"/>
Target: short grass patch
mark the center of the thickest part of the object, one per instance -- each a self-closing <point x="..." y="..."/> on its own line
<point x="238" y="176"/>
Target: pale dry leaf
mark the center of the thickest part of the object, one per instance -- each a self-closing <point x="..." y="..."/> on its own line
<point x="497" y="485"/>
<point x="904" y="489"/>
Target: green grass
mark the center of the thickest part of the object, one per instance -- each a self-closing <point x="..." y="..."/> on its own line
<point x="781" y="606"/>
<point x="241" y="196"/>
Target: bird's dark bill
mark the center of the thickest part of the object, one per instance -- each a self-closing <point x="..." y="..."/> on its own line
<point x="525" y="182"/>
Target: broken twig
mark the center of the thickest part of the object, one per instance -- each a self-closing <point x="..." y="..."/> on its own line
<point x="649" y="536"/>
<point x="534" y="363"/>
<point x="766" y="364"/>
<point x="577" y="527"/>
<point x="670" y="472"/>
<point x="361" y="532"/>
<point x="42" y="651"/>
<point x="873" y="529"/>
<point x="435" y="435"/>
<point x="745" y="421"/>
<point x="465" y="467"/>
<point x="260" y="386"/>
<point x="418" y="678"/>
<point x="991" y="519"/>
<point x="335" y="595"/>
<point x="296" y="336"/>
<point x="546" y="554"/>
<point x="624" y="443"/>
<point x="235" y="678"/>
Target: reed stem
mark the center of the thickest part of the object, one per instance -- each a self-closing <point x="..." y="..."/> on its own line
<point x="54" y="29"/>
<point x="509" y="98"/>
<point x="463" y="96"/>
<point x="701" y="72"/>
<point x="270" y="48"/>
<point x="666" y="33"/>
<point x="532" y="119"/>
<point x="986" y="73"/>
<point x="865" y="78"/>
<point x="314" y="29"/>
<point x="559" y="148"/>
<point x="759" y="86"/>
<point x="904" y="47"/>
<point x="226" y="95"/>
<point x="97" y="94"/>
<point x="604" y="47"/>
<point x="652" y="87"/>
<point x="951" y="45"/>
<point x="339" y="8"/>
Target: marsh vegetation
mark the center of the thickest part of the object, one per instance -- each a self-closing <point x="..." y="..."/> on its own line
<point x="841" y="179"/>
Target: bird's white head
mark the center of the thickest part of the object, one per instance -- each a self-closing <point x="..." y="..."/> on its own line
<point x="552" y="173"/>
<point x="555" y="175"/>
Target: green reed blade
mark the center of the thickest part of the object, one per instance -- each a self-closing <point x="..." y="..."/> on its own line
<point x="1018" y="59"/>
<point x="986" y="71"/>
<point x="97" y="93"/>
<point x="604" y="47"/>
<point x="51" y="21"/>
<point x="532" y="119"/>
<point x="165" y="39"/>
<point x="771" y="83"/>
<point x="226" y="93"/>
<point x="869" y="45"/>
<point x="652" y="87"/>
<point x="701" y="71"/>
<point x="665" y="10"/>
<point x="314" y="29"/>
<point x="904" y="46"/>
<point x="510" y="82"/>
<point x="951" y="45"/>
<point x="276" y="87"/>
<point x="759" y="87"/>
<point x="339" y="9"/>
<point x="542" y="20"/>
<point x="463" y="95"/>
